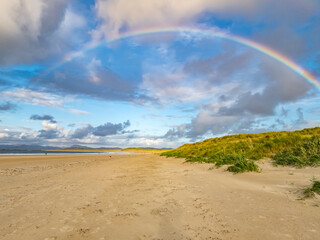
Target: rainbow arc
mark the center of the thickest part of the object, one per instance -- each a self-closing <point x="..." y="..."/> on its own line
<point x="210" y="33"/>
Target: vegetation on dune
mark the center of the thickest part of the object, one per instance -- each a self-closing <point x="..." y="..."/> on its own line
<point x="315" y="188"/>
<point x="243" y="166"/>
<point x="143" y="150"/>
<point x="304" y="154"/>
<point x="297" y="148"/>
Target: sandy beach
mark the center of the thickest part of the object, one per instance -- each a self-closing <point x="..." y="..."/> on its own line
<point x="145" y="196"/>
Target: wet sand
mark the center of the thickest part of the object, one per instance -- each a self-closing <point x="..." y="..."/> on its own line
<point x="145" y="196"/>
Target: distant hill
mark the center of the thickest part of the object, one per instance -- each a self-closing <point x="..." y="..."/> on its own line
<point x="78" y="146"/>
<point x="26" y="147"/>
<point x="150" y="148"/>
<point x="106" y="148"/>
<point x="145" y="150"/>
<point x="296" y="148"/>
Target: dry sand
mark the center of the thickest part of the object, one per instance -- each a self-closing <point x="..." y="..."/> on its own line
<point x="151" y="197"/>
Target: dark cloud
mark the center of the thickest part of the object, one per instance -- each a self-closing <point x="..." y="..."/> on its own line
<point x="48" y="134"/>
<point x="243" y="112"/>
<point x="238" y="110"/>
<point x="290" y="12"/>
<point x="281" y="25"/>
<point x="278" y="40"/>
<point x="255" y="103"/>
<point x="221" y="67"/>
<point x="95" y="81"/>
<point x="206" y="123"/>
<point x="8" y="106"/>
<point x="43" y="117"/>
<point x="35" y="29"/>
<point x="282" y="86"/>
<point x="176" y="132"/>
<point x="53" y="15"/>
<point x="82" y="132"/>
<point x="110" y="129"/>
<point x="106" y="129"/>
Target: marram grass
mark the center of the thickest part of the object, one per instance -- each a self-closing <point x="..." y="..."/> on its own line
<point x="311" y="191"/>
<point x="298" y="148"/>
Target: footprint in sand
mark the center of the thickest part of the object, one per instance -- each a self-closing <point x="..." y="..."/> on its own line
<point x="160" y="211"/>
<point x="127" y="214"/>
<point x="98" y="211"/>
<point x="83" y="231"/>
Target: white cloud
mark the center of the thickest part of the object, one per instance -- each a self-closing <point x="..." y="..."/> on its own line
<point x="93" y="67"/>
<point x="135" y="14"/>
<point x="71" y="22"/>
<point x="35" y="29"/>
<point x="19" y="18"/>
<point x="33" y="97"/>
<point x="207" y="121"/>
<point x="171" y="82"/>
<point x="77" y="111"/>
<point x="47" y="126"/>
<point x="3" y="135"/>
<point x="170" y="87"/>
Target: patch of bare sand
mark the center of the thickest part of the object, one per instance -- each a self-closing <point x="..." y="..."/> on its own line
<point x="151" y="197"/>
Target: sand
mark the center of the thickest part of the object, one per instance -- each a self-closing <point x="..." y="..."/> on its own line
<point x="145" y="196"/>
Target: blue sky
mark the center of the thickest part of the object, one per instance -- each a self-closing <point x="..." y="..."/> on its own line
<point x="154" y="90"/>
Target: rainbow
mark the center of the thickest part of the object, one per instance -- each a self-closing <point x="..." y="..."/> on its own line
<point x="210" y="33"/>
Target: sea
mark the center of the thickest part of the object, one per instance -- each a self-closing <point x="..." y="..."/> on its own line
<point x="52" y="153"/>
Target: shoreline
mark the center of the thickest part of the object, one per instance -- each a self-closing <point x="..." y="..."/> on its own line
<point x="65" y="153"/>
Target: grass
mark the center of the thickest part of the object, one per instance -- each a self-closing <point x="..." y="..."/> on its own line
<point x="304" y="154"/>
<point x="311" y="191"/>
<point x="143" y="150"/>
<point x="243" y="166"/>
<point x="298" y="148"/>
<point x="240" y="163"/>
<point x="230" y="159"/>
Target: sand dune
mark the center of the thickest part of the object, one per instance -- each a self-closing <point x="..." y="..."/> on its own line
<point x="145" y="196"/>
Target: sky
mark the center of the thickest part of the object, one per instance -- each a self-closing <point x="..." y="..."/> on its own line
<point x="156" y="73"/>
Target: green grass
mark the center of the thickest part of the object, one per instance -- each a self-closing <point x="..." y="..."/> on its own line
<point x="304" y="154"/>
<point x="311" y="191"/>
<point x="243" y="166"/>
<point x="240" y="163"/>
<point x="297" y="148"/>
<point x="143" y="150"/>
<point x="230" y="159"/>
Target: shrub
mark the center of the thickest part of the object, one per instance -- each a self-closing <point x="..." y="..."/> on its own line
<point x="195" y="159"/>
<point x="310" y="192"/>
<point x="229" y="159"/>
<point x="243" y="166"/>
